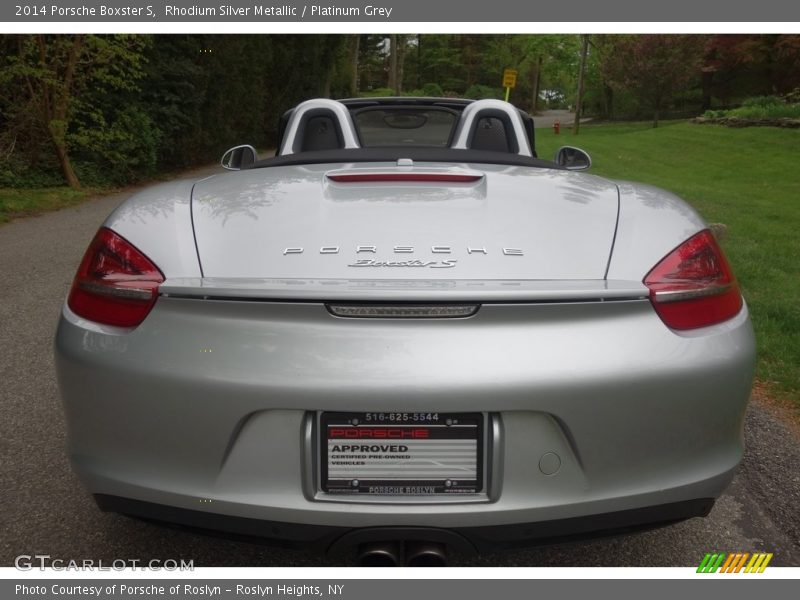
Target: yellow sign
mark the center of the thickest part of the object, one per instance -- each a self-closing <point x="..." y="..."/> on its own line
<point x="509" y="78"/>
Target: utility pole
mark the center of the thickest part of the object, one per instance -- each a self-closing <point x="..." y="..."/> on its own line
<point x="576" y="126"/>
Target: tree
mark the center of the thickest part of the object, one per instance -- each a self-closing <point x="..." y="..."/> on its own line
<point x="393" y="58"/>
<point x="654" y="67"/>
<point x="60" y="76"/>
<point x="402" y="44"/>
<point x="371" y="62"/>
<point x="739" y="66"/>
<point x="439" y="61"/>
<point x="543" y="62"/>
<point x="576" y="127"/>
<point x="354" y="43"/>
<point x="48" y="72"/>
<point x="536" y="83"/>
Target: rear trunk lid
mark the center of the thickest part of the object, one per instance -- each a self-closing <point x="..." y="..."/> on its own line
<point x="498" y="223"/>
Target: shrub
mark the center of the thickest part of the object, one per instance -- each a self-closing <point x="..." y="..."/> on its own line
<point x="762" y="101"/>
<point x="117" y="150"/>
<point x="18" y="172"/>
<point x="377" y="92"/>
<point x="478" y="92"/>
<point x="760" y="107"/>
<point x="432" y="89"/>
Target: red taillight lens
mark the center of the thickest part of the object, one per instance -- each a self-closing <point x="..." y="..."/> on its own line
<point x="693" y="285"/>
<point x="116" y="284"/>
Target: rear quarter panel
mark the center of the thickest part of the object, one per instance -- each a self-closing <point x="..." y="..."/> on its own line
<point x="158" y="221"/>
<point x="651" y="223"/>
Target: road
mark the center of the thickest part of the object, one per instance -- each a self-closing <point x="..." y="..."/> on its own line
<point x="44" y="510"/>
<point x="546" y="118"/>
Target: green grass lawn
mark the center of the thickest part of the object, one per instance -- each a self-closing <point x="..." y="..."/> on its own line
<point x="26" y="202"/>
<point x="748" y="179"/>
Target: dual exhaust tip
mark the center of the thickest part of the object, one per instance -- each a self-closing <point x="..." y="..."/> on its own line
<point x="390" y="554"/>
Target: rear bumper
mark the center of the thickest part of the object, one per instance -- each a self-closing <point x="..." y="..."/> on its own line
<point x="208" y="407"/>
<point x="326" y="538"/>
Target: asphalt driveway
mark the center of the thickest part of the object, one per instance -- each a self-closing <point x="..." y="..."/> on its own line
<point x="43" y="509"/>
<point x="546" y="118"/>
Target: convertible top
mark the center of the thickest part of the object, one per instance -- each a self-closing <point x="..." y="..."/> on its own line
<point x="392" y="154"/>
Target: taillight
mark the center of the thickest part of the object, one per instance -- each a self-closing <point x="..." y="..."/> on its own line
<point x="116" y="284"/>
<point x="405" y="177"/>
<point x="693" y="285"/>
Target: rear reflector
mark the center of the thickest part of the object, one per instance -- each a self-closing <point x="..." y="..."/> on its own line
<point x="404" y="177"/>
<point x="403" y="311"/>
<point x="116" y="284"/>
<point x="693" y="285"/>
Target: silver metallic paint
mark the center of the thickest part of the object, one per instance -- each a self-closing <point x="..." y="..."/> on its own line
<point x="206" y="399"/>
<point x="564" y="222"/>
<point x="652" y="222"/>
<point x="210" y="403"/>
<point x="158" y="221"/>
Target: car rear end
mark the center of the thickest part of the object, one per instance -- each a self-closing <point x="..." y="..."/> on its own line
<point x="538" y="384"/>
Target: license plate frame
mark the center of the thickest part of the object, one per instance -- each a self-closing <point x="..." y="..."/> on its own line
<point x="458" y="469"/>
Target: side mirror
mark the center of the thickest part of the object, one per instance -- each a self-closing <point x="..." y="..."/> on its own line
<point x="572" y="159"/>
<point x="239" y="157"/>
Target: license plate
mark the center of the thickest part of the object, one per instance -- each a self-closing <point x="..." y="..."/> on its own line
<point x="401" y="454"/>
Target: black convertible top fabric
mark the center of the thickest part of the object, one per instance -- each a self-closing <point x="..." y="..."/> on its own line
<point x="392" y="154"/>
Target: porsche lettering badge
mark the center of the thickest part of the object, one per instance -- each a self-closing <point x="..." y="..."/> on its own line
<point x="414" y="263"/>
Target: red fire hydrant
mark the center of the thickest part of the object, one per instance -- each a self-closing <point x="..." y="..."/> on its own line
<point x="557" y="127"/>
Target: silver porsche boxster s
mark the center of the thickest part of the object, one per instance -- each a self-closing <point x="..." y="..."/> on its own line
<point x="405" y="334"/>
